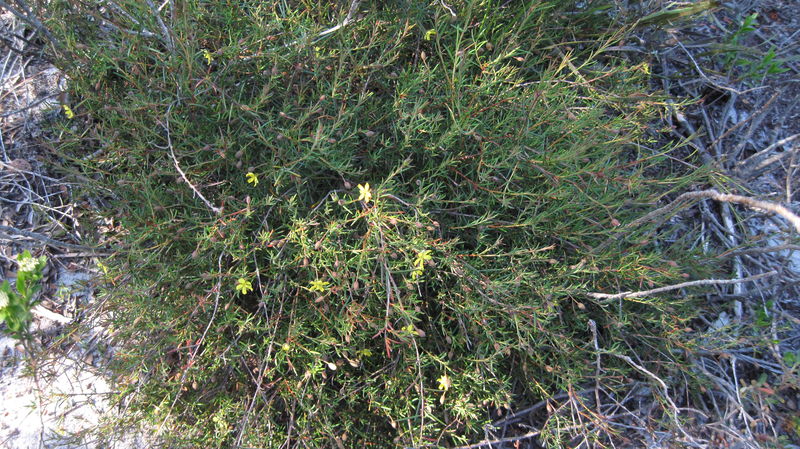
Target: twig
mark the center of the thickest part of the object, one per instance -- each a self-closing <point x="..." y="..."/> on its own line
<point x="213" y="208"/>
<point x="492" y="443"/>
<point x="7" y="230"/>
<point x="758" y="169"/>
<point x="593" y="328"/>
<point x="217" y="290"/>
<point x="639" y="294"/>
<point x="766" y="150"/>
<point x="760" y="112"/>
<point x="727" y="219"/>
<point x="703" y="74"/>
<point x="769" y="249"/>
<point x="645" y="371"/>
<point x="29" y="106"/>
<point x="164" y="30"/>
<point x="28" y="17"/>
<point x="714" y="195"/>
<point x="749" y="202"/>
<point x="448" y="8"/>
<point x="349" y="18"/>
<point x="516" y="416"/>
<point x="50" y="315"/>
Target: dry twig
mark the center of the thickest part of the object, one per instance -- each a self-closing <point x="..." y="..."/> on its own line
<point x="640" y="294"/>
<point x="208" y="204"/>
<point x="9" y="231"/>
<point x="752" y="203"/>
<point x="347" y="20"/>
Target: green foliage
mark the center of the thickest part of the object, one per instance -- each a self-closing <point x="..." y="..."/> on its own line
<point x="16" y="302"/>
<point x="752" y="64"/>
<point x="762" y="315"/>
<point x="409" y="207"/>
<point x="791" y="359"/>
<point x="673" y="14"/>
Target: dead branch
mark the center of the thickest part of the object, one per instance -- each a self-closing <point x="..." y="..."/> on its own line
<point x="208" y="204"/>
<point x="164" y="30"/>
<point x="749" y="202"/>
<point x="751" y="251"/>
<point x="25" y="14"/>
<point x="761" y="167"/>
<point x="347" y="20"/>
<point x="714" y="195"/>
<point x="639" y="294"/>
<point x="11" y="232"/>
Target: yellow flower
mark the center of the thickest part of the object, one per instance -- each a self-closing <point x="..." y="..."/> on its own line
<point x="422" y="257"/>
<point x="318" y="286"/>
<point x="243" y="286"/>
<point x="429" y="34"/>
<point x="68" y="111"/>
<point x="364" y="193"/>
<point x="444" y="382"/>
<point x="251" y="178"/>
<point x="419" y="263"/>
<point x="208" y="56"/>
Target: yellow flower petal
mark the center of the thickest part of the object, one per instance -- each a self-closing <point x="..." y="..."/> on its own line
<point x="444" y="382"/>
<point x="318" y="286"/>
<point x="251" y="178"/>
<point x="364" y="193"/>
<point x="244" y="286"/>
<point x="208" y="56"/>
<point x="68" y="111"/>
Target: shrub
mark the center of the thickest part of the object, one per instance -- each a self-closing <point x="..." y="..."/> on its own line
<point x="371" y="236"/>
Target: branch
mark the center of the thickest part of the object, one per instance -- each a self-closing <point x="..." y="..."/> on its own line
<point x="164" y="30"/>
<point x="50" y="315"/>
<point x="349" y="18"/>
<point x="27" y="16"/>
<point x="724" y="197"/>
<point x="769" y="249"/>
<point x="752" y="203"/>
<point x="762" y="166"/>
<point x="667" y="288"/>
<point x="767" y="206"/>
<point x="7" y="230"/>
<point x="208" y="204"/>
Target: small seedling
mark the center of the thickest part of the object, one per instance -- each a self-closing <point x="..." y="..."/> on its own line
<point x="16" y="301"/>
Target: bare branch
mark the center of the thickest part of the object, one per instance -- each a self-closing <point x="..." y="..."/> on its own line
<point x="639" y="294"/>
<point x="28" y="16"/>
<point x="762" y="166"/>
<point x="164" y="30"/>
<point x="208" y="204"/>
<point x="749" y="202"/>
<point x="349" y="18"/>
<point x="726" y="197"/>
<point x="768" y="249"/>
<point x="11" y="232"/>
